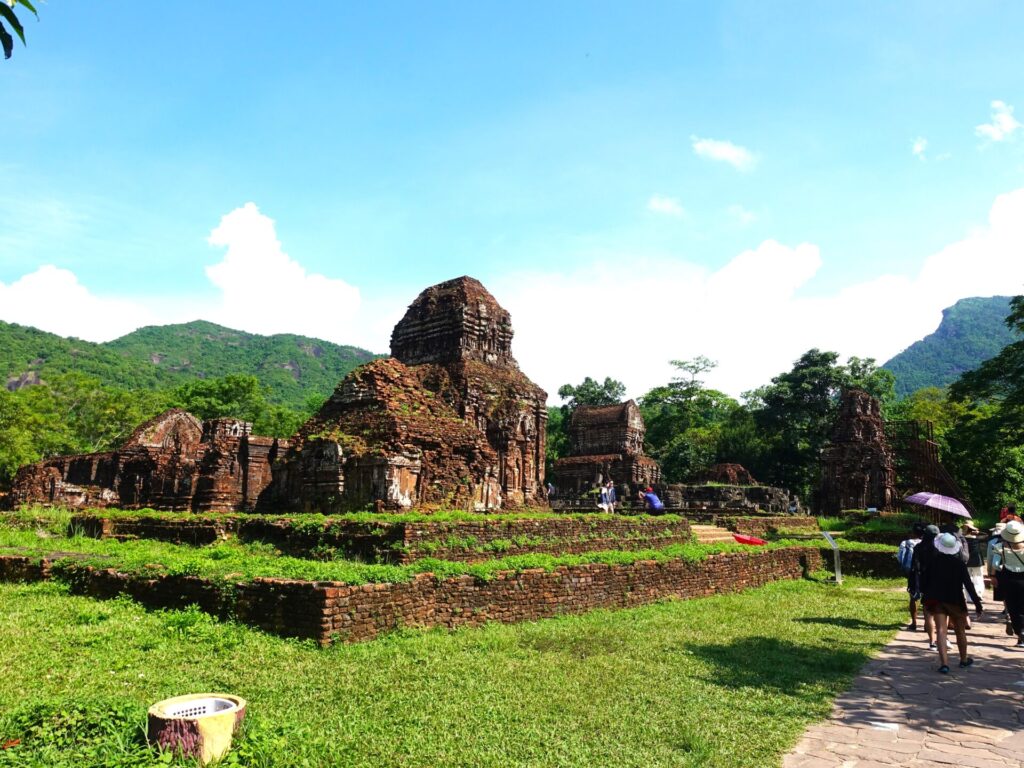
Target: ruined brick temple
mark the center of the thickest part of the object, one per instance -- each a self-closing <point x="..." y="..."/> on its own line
<point x="857" y="467"/>
<point x="173" y="461"/>
<point x="449" y="420"/>
<point x="605" y="443"/>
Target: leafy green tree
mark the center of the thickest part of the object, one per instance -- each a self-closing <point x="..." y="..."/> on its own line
<point x="796" y="412"/>
<point x="685" y="421"/>
<point x="7" y="15"/>
<point x="591" y="392"/>
<point x="68" y="414"/>
<point x="238" y="396"/>
<point x="588" y="392"/>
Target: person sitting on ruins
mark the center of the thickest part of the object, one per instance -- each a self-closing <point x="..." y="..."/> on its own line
<point x="943" y="590"/>
<point x="651" y="500"/>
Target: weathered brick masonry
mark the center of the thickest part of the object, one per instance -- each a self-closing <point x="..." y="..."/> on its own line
<point x="196" y="531"/>
<point x="327" y="611"/>
<point x="364" y="612"/>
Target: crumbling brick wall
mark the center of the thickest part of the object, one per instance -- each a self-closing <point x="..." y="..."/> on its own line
<point x="172" y="461"/>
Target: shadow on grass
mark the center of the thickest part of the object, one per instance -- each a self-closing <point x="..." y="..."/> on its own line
<point x="786" y="667"/>
<point x="847" y="623"/>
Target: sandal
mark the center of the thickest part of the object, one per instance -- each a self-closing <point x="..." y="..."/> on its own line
<point x="966" y="662"/>
<point x="944" y="669"/>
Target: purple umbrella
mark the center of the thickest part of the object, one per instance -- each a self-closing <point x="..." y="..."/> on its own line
<point x="939" y="502"/>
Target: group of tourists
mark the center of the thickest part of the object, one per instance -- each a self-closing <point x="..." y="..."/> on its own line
<point x="608" y="498"/>
<point x="947" y="565"/>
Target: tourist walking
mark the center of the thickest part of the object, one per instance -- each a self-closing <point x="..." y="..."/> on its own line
<point x="923" y="553"/>
<point x="905" y="556"/>
<point x="943" y="587"/>
<point x="1006" y="564"/>
<point x="975" y="549"/>
<point x="608" y="497"/>
<point x="977" y="555"/>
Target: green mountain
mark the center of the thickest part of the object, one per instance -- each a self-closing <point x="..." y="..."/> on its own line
<point x="155" y="357"/>
<point x="971" y="331"/>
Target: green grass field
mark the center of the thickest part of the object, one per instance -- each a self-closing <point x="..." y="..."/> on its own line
<point x="724" y="681"/>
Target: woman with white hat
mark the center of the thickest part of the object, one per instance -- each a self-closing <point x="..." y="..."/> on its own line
<point x="943" y="590"/>
<point x="1006" y="564"/>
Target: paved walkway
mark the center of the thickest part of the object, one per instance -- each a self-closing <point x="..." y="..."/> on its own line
<point x="901" y="711"/>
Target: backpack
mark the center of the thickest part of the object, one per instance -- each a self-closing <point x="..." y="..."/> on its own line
<point x="905" y="554"/>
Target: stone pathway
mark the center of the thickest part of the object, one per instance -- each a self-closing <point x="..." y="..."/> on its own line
<point x="901" y="711"/>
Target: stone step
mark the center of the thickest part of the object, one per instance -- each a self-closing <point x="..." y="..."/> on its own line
<point x="711" y="534"/>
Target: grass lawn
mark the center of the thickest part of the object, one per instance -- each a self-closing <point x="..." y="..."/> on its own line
<point x="723" y="681"/>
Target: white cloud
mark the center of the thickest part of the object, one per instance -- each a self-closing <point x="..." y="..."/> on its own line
<point x="623" y="315"/>
<point x="669" y="206"/>
<point x="1002" y="126"/>
<point x="738" y="157"/>
<point x="51" y="298"/>
<point x="918" y="147"/>
<point x="263" y="290"/>
<point x="741" y="215"/>
<point x="755" y="315"/>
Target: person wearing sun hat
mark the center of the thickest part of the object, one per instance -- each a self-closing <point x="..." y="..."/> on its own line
<point x="943" y="588"/>
<point x="1006" y="564"/>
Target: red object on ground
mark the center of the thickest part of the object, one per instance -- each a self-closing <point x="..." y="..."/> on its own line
<point x="10" y="743"/>
<point x="752" y="540"/>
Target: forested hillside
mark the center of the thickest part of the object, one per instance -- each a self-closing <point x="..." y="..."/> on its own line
<point x="972" y="331"/>
<point x="292" y="368"/>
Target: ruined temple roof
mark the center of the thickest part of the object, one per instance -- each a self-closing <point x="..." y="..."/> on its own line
<point x="593" y="415"/>
<point x="457" y="320"/>
<point x="383" y="406"/>
<point x="156" y="432"/>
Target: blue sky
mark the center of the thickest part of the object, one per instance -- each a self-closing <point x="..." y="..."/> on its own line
<point x="576" y="158"/>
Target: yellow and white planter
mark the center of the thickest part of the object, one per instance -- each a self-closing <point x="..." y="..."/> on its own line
<point x="199" y="725"/>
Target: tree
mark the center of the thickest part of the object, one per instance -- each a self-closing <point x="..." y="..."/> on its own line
<point x="7" y="14"/>
<point x="685" y="421"/>
<point x="591" y="392"/>
<point x="796" y="412"/>
<point x="237" y="396"/>
<point x="68" y="414"/>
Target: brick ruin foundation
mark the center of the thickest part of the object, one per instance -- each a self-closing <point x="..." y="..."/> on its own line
<point x="857" y="467"/>
<point x="605" y="443"/>
<point x="448" y="421"/>
<point x="328" y="611"/>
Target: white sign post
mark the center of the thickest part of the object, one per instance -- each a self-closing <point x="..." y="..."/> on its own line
<point x="835" y="553"/>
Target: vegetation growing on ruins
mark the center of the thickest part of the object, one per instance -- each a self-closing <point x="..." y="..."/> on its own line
<point x="235" y="561"/>
<point x="563" y="691"/>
